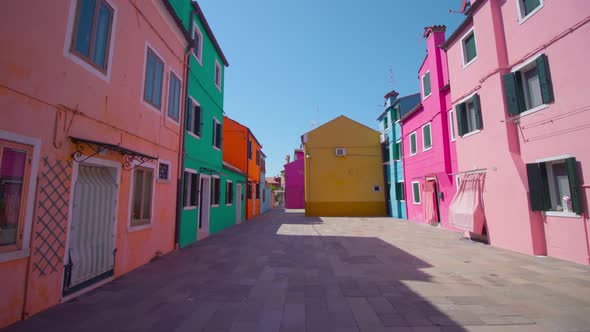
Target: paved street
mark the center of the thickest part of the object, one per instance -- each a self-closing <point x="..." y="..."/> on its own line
<point x="285" y="272"/>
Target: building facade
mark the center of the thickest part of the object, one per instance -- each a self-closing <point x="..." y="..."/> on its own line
<point x="520" y="114"/>
<point x="429" y="139"/>
<point x="392" y="150"/>
<point x="265" y="192"/>
<point x="343" y="170"/>
<point x="294" y="182"/>
<point x="89" y="145"/>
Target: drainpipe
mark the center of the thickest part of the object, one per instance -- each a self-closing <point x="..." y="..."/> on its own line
<point x="248" y="189"/>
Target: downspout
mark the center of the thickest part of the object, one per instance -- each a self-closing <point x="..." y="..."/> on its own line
<point x="249" y="189"/>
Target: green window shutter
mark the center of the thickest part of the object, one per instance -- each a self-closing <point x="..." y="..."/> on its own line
<point x="510" y="92"/>
<point x="470" y="48"/>
<point x="545" y="79"/>
<point x="461" y="122"/>
<point x="426" y="84"/>
<point x="477" y="110"/>
<point x="575" y="188"/>
<point x="538" y="187"/>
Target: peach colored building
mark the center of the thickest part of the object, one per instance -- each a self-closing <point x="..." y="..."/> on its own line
<point x="89" y="142"/>
<point x="518" y="70"/>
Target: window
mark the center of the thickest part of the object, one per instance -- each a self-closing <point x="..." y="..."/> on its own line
<point x="426" y="137"/>
<point x="400" y="192"/>
<point x="396" y="113"/>
<point x="376" y="189"/>
<point x="218" y="75"/>
<point x="258" y="191"/>
<point x="451" y="125"/>
<point x="426" y="88"/>
<point x="174" y="97"/>
<point x="14" y="175"/>
<point x="469" y="116"/>
<point x="416" y="192"/>
<point x="528" y="7"/>
<point x="385" y="122"/>
<point x="163" y="171"/>
<point x="469" y="48"/>
<point x="142" y="196"/>
<point x="258" y="157"/>
<point x="249" y="191"/>
<point x="413" y="144"/>
<point x="215" y="191"/>
<point x="194" y="119"/>
<point x="217" y="133"/>
<point x="529" y="87"/>
<point x="229" y="193"/>
<point x="154" y="70"/>
<point x="198" y="38"/>
<point x="397" y="150"/>
<point x="92" y="32"/>
<point x="554" y="186"/>
<point x="263" y="195"/>
<point x="249" y="149"/>
<point x="191" y="189"/>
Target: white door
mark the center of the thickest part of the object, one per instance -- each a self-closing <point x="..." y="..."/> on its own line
<point x="204" y="206"/>
<point x="91" y="247"/>
<point x="239" y="198"/>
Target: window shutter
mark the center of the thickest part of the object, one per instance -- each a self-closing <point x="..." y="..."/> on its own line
<point x="194" y="189"/>
<point x="460" y="110"/>
<point x="510" y="93"/>
<point x="477" y="110"/>
<point x="575" y="189"/>
<point x="199" y="119"/>
<point x="545" y="79"/>
<point x="538" y="187"/>
<point x="188" y="116"/>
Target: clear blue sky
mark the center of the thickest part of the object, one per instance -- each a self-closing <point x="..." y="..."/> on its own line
<point x="287" y="58"/>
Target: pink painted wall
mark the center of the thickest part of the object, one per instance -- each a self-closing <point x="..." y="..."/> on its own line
<point x="439" y="161"/>
<point x="108" y="109"/>
<point x="504" y="148"/>
<point x="295" y="183"/>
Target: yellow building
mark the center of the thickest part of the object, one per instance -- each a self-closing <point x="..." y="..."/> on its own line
<point x="343" y="170"/>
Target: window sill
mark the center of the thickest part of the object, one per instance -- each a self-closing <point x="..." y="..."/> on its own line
<point x="92" y="69"/>
<point x="14" y="255"/>
<point x="214" y="205"/>
<point x="526" y="18"/>
<point x="465" y="65"/>
<point x="193" y="134"/>
<point x="562" y="214"/>
<point x="171" y="120"/>
<point x="428" y="149"/>
<point x="138" y="228"/>
<point x="229" y="204"/>
<point x="216" y="148"/>
<point x="411" y="155"/>
<point x="419" y="203"/>
<point x="151" y="107"/>
<point x="531" y="111"/>
<point x="471" y="133"/>
<point x="427" y="96"/>
<point x="190" y="208"/>
<point x="199" y="60"/>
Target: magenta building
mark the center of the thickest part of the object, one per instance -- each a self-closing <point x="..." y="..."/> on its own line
<point x="518" y="71"/>
<point x="428" y="140"/>
<point x="295" y="182"/>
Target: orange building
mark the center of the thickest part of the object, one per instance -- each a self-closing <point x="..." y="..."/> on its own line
<point x="242" y="149"/>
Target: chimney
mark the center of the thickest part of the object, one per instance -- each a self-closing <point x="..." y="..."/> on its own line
<point x="434" y="29"/>
<point x="287" y="159"/>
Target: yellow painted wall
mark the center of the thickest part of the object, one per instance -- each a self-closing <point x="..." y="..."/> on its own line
<point x="343" y="186"/>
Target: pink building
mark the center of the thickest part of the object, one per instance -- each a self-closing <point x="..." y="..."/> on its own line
<point x="518" y="70"/>
<point x="90" y="116"/>
<point x="428" y="138"/>
<point x="295" y="182"/>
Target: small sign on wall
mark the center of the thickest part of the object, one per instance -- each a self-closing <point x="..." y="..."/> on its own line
<point x="163" y="171"/>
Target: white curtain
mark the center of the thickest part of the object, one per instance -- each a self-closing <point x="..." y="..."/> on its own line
<point x="466" y="211"/>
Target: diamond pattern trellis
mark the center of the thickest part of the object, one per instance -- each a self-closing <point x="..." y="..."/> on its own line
<point x="52" y="216"/>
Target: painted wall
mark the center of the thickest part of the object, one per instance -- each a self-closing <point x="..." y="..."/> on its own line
<point x="295" y="182"/>
<point x="343" y="186"/>
<point x="439" y="161"/>
<point x="108" y="108"/>
<point x="552" y="131"/>
<point x="224" y="215"/>
<point x="264" y="192"/>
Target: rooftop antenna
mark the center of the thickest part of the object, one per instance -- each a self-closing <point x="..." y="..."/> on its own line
<point x="464" y="5"/>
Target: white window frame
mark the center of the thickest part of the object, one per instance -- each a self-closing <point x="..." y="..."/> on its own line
<point x="464" y="100"/>
<point x="217" y="84"/>
<point x="551" y="160"/>
<point x="191" y="207"/>
<point x="179" y="97"/>
<point x="216" y="122"/>
<point x="422" y="83"/>
<point x="419" y="194"/>
<point x="520" y="11"/>
<point x="226" y="183"/>
<point x="403" y="186"/>
<point x="520" y="68"/>
<point x="82" y="63"/>
<point x="424" y="148"/>
<point x="463" y="50"/>
<point x="35" y="143"/>
<point x="416" y="138"/>
<point x="163" y="93"/>
<point x="457" y="181"/>
<point x="162" y="161"/>
<point x="212" y="186"/>
<point x="193" y="103"/>
<point x="401" y="149"/>
<point x="452" y="131"/>
<point x="153" y="202"/>
<point x="197" y="30"/>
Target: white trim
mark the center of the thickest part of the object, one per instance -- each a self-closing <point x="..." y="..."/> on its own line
<point x="464" y="99"/>
<point x="410" y="139"/>
<point x="531" y="111"/>
<point x="179" y="97"/>
<point x="452" y="131"/>
<point x="31" y="191"/>
<point x="131" y="187"/>
<point x="217" y="65"/>
<point x="215" y="134"/>
<point x="144" y="70"/>
<point x="424" y="149"/>
<point x="526" y="63"/>
<point x="422" y="83"/>
<point x="82" y="63"/>
<point x="471" y="133"/>
<point x="520" y="10"/>
<point x="403" y="186"/>
<point x="419" y="194"/>
<point x="554" y="158"/>
<point x="196" y="29"/>
<point x="193" y="103"/>
<point x="190" y="207"/>
<point x="463" y="54"/>
<point x="457" y="182"/>
<point x="562" y="214"/>
<point x="162" y="161"/>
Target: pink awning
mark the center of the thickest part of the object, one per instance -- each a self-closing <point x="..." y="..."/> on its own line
<point x="466" y="211"/>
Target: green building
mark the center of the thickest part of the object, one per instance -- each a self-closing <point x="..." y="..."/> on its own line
<point x="212" y="191"/>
